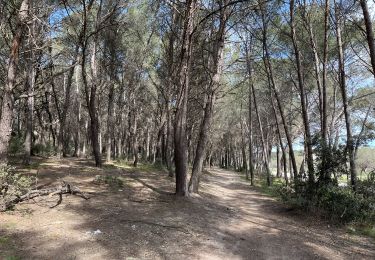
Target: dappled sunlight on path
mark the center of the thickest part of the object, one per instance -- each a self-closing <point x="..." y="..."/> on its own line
<point x="143" y="219"/>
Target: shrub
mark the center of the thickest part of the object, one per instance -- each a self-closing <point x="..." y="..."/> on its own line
<point x="343" y="205"/>
<point x="46" y="150"/>
<point x="339" y="204"/>
<point x="12" y="184"/>
<point x="16" y="144"/>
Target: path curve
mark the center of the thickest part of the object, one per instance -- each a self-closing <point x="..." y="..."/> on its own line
<point x="262" y="228"/>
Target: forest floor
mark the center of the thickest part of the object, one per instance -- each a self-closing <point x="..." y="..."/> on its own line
<point x="141" y="219"/>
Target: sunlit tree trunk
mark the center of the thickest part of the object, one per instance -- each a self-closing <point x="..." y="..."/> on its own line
<point x="348" y="124"/>
<point x="301" y="85"/>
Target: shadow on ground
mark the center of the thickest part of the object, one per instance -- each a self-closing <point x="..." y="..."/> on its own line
<point x="143" y="219"/>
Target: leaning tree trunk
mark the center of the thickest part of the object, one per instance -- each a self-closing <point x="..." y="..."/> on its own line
<point x="269" y="71"/>
<point x="301" y="85"/>
<point x="202" y="143"/>
<point x="264" y="152"/>
<point x="200" y="152"/>
<point x="8" y="99"/>
<point x="270" y="75"/>
<point x="369" y="33"/>
<point x="349" y="136"/>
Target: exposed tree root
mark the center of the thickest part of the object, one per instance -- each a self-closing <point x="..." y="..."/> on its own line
<point x="62" y="188"/>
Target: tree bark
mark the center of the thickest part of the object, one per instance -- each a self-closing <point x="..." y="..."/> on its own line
<point x="269" y="70"/>
<point x="180" y="134"/>
<point x="301" y="85"/>
<point x="369" y="33"/>
<point x="349" y="136"/>
<point x="8" y="99"/>
<point x="30" y="84"/>
<point x="218" y="51"/>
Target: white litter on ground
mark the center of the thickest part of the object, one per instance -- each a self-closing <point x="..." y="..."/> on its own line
<point x="96" y="232"/>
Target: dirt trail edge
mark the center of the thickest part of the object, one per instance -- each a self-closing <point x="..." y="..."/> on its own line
<point x="141" y="219"/>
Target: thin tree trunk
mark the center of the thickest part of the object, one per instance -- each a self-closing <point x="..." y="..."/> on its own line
<point x="30" y="82"/>
<point x="348" y="124"/>
<point x="77" y="148"/>
<point x="325" y="61"/>
<point x="269" y="70"/>
<point x="301" y="85"/>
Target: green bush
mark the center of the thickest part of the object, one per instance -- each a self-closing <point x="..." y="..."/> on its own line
<point x="367" y="187"/>
<point x="12" y="185"/>
<point x="339" y="204"/>
<point x="43" y="150"/>
<point x="16" y="144"/>
<point x="343" y="205"/>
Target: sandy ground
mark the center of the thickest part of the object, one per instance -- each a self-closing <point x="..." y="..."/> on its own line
<point x="143" y="220"/>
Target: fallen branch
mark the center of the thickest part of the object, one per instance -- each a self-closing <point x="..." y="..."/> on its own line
<point x="63" y="188"/>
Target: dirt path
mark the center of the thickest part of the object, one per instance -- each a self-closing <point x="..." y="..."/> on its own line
<point x="142" y="220"/>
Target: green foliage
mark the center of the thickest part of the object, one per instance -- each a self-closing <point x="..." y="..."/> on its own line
<point x="4" y="240"/>
<point x="278" y="184"/>
<point x="331" y="162"/>
<point x="339" y="204"/>
<point x="16" y="145"/>
<point x="11" y="183"/>
<point x="367" y="187"/>
<point x="43" y="150"/>
<point x="343" y="205"/>
<point x="12" y="258"/>
<point x="366" y="230"/>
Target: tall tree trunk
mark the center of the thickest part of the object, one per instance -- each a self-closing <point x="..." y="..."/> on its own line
<point x="90" y="92"/>
<point x="65" y="109"/>
<point x="301" y="85"/>
<point x="112" y="76"/>
<point x="77" y="148"/>
<point x="264" y="148"/>
<point x="30" y="82"/>
<point x="281" y="142"/>
<point x="200" y="152"/>
<point x="250" y="98"/>
<point x="269" y="71"/>
<point x="180" y="134"/>
<point x="324" y="83"/>
<point x="369" y="33"/>
<point x="349" y="136"/>
<point x="8" y="99"/>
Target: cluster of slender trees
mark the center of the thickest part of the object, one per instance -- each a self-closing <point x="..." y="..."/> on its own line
<point x="189" y="83"/>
